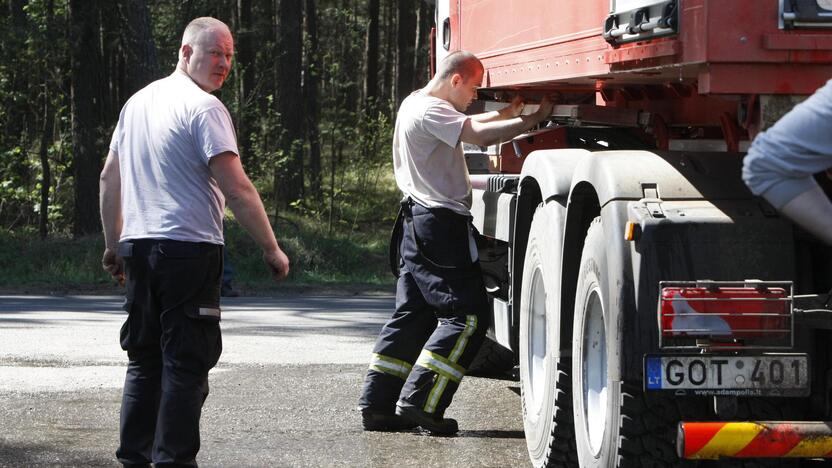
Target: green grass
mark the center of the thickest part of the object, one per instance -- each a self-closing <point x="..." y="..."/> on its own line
<point x="56" y="262"/>
<point x="352" y="254"/>
<point x="344" y="258"/>
<point x="316" y="256"/>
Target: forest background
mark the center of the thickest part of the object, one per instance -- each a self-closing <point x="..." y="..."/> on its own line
<point x="313" y="93"/>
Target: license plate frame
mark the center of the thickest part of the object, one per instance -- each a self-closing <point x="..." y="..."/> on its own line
<point x="757" y="375"/>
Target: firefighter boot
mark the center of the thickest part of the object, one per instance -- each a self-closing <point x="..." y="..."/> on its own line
<point x="375" y="420"/>
<point x="436" y="425"/>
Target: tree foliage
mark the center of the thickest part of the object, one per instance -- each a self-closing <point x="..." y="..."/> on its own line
<point x="312" y="93"/>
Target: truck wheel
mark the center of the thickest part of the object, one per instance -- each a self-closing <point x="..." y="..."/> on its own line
<point x="615" y="424"/>
<point x="492" y="360"/>
<point x="595" y="413"/>
<point x="544" y="373"/>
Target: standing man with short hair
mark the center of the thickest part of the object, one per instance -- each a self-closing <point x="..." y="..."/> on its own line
<point x="417" y="365"/>
<point x="173" y="163"/>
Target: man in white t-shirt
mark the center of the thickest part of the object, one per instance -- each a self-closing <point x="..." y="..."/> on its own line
<point x="173" y="163"/>
<point x="417" y="365"/>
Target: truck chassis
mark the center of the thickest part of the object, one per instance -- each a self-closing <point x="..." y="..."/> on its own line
<point x="657" y="311"/>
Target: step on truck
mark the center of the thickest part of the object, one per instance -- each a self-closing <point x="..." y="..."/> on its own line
<point x="658" y="313"/>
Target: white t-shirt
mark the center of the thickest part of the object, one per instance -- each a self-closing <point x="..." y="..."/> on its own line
<point x="427" y="155"/>
<point x="166" y="135"/>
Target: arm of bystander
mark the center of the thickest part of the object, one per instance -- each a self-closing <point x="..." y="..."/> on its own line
<point x="247" y="207"/>
<point x="110" y="205"/>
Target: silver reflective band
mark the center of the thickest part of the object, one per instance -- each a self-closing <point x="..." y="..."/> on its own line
<point x="389" y="365"/>
<point x="440" y="365"/>
<point x="209" y="311"/>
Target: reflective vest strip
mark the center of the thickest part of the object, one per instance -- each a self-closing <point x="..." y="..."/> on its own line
<point x="389" y="365"/>
<point x="462" y="342"/>
<point x="435" y="394"/>
<point x="440" y="365"/>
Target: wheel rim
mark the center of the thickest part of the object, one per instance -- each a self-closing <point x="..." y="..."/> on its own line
<point x="594" y="373"/>
<point x="536" y="344"/>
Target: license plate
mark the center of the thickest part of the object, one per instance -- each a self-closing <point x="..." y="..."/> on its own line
<point x="702" y="374"/>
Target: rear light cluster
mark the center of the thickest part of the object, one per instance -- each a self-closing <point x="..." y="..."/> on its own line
<point x="717" y="314"/>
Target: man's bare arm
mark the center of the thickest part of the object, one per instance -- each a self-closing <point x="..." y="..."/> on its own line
<point x="491" y="132"/>
<point x="110" y="206"/>
<point x="512" y="110"/>
<point x="248" y="209"/>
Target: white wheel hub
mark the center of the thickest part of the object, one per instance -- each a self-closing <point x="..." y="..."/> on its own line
<point x="536" y="344"/>
<point x="594" y="371"/>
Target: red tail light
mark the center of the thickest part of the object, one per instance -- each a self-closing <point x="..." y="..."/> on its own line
<point x="720" y="314"/>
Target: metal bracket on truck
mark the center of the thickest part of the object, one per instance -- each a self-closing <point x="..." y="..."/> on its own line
<point x="637" y="20"/>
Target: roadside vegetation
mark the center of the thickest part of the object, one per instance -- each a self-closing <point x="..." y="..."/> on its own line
<point x="347" y="250"/>
<point x="313" y="93"/>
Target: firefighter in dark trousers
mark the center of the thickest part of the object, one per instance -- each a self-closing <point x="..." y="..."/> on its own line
<point x="441" y="306"/>
<point x="173" y="162"/>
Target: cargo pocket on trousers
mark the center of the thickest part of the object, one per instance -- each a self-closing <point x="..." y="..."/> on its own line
<point x="206" y="345"/>
<point x="124" y="334"/>
<point x="444" y="241"/>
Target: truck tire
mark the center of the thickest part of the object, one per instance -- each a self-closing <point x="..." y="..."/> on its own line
<point x="615" y="426"/>
<point x="492" y="360"/>
<point x="545" y="384"/>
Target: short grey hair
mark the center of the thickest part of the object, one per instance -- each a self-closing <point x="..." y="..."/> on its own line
<point x="198" y="25"/>
<point x="462" y="62"/>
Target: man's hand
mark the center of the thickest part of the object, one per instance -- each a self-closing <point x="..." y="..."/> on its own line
<point x="113" y="264"/>
<point x="514" y="108"/>
<point x="278" y="263"/>
<point x="545" y="109"/>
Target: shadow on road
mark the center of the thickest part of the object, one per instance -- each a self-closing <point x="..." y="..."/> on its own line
<point x="492" y="434"/>
<point x="40" y="454"/>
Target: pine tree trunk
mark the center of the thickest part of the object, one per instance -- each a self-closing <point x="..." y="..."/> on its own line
<point x="139" y="47"/>
<point x="371" y="55"/>
<point x="244" y="67"/>
<point x="421" y="62"/>
<point x="388" y="92"/>
<point x="311" y="94"/>
<point x="14" y="102"/>
<point x="288" y="181"/>
<point x="406" y="41"/>
<point x="48" y="126"/>
<point x="85" y="97"/>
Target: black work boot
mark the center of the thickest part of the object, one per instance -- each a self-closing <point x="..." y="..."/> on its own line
<point x="377" y="420"/>
<point x="435" y="425"/>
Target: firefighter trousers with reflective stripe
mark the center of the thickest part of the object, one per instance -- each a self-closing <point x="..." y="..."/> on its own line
<point x="441" y="316"/>
<point x="172" y="338"/>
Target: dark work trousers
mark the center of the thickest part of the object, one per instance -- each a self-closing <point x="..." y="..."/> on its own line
<point x="442" y="314"/>
<point x="172" y="338"/>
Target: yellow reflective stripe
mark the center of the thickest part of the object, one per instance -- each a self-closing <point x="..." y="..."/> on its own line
<point x="447" y="369"/>
<point x="389" y="365"/>
<point x="732" y="438"/>
<point x="811" y="448"/>
<point x="435" y="394"/>
<point x="440" y="365"/>
<point x="462" y="342"/>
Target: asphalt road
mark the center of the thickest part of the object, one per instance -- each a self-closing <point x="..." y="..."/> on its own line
<point x="283" y="394"/>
